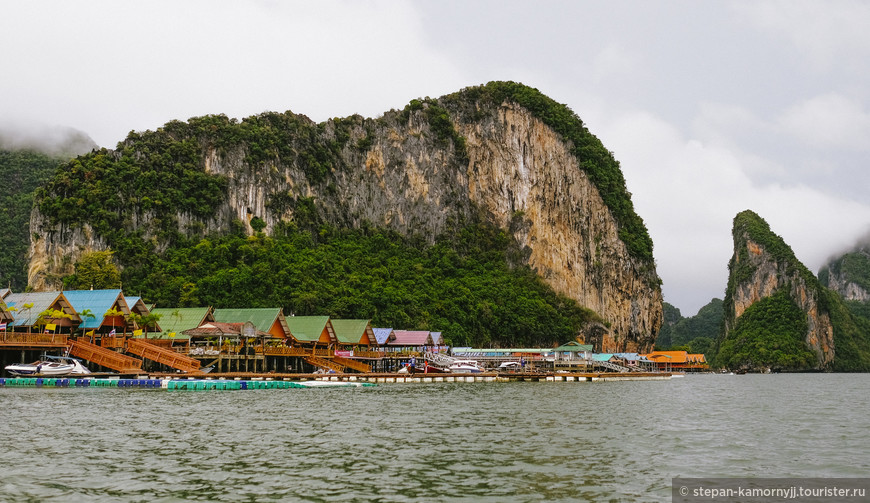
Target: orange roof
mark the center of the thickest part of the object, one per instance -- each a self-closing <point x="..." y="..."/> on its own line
<point x="668" y="356"/>
<point x="696" y="358"/>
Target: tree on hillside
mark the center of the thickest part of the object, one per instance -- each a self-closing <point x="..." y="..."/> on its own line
<point x="94" y="270"/>
<point x="145" y="322"/>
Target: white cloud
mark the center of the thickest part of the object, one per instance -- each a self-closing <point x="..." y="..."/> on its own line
<point x="831" y="33"/>
<point x="612" y="64"/>
<point x="829" y="121"/>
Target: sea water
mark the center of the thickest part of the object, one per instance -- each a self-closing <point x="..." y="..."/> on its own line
<point x="601" y="441"/>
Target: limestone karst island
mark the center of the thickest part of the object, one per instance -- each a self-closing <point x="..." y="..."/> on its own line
<point x="486" y="234"/>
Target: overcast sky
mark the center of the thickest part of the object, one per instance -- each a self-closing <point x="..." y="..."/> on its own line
<point x="710" y="107"/>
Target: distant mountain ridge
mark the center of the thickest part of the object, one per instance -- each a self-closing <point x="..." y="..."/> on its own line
<point x="849" y="274"/>
<point x="695" y="333"/>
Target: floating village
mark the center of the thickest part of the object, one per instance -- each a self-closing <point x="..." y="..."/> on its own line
<point x="102" y="338"/>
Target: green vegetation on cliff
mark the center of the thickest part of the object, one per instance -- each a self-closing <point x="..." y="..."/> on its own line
<point x="152" y="174"/>
<point x="21" y="172"/>
<point x="769" y="334"/>
<point x="851" y="335"/>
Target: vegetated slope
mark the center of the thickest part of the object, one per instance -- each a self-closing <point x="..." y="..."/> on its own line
<point x="492" y="211"/>
<point x="777" y="314"/>
<point x="695" y="334"/>
<point x="21" y="171"/>
<point x="849" y="275"/>
<point x="26" y="162"/>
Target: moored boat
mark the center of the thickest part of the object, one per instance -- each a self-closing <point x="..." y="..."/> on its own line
<point x="427" y="369"/>
<point x="510" y="367"/>
<point x="465" y="367"/>
<point x="49" y="366"/>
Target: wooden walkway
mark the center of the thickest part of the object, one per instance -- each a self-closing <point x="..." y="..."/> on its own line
<point x="105" y="357"/>
<point x="168" y="357"/>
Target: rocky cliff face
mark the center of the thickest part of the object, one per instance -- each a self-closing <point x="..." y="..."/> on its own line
<point x="420" y="171"/>
<point x="761" y="266"/>
<point x="523" y="175"/>
<point x="849" y="274"/>
<point x="848" y="289"/>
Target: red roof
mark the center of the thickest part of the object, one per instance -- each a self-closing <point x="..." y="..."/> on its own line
<point x="216" y="328"/>
<point x="410" y="338"/>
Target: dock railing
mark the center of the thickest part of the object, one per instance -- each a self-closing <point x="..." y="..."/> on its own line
<point x="359" y="353"/>
<point x="34" y="339"/>
<point x="113" y="342"/>
<point x="285" y="351"/>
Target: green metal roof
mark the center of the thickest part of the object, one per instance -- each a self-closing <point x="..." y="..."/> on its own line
<point x="307" y="328"/>
<point x="350" y="331"/>
<point x="178" y="320"/>
<point x="573" y="347"/>
<point x="262" y="318"/>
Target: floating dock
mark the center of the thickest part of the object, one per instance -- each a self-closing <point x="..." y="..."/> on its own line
<point x="179" y="384"/>
<point x="271" y="381"/>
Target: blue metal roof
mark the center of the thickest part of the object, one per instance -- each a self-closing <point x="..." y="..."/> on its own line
<point x="381" y="335"/>
<point x="27" y="316"/>
<point x="98" y="301"/>
<point x="437" y="339"/>
<point x="628" y="356"/>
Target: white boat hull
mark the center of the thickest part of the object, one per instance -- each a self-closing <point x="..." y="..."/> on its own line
<point x="55" y="367"/>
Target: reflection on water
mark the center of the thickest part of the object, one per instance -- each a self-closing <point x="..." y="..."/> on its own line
<point x="612" y="441"/>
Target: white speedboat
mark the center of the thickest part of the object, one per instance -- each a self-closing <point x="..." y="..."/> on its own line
<point x="464" y="367"/>
<point x="49" y="366"/>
